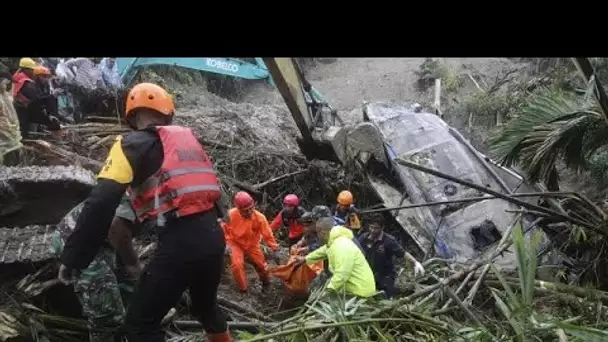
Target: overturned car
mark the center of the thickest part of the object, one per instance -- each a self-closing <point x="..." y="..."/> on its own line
<point x="463" y="232"/>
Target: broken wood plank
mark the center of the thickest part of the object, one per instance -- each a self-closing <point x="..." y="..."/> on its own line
<point x="278" y="178"/>
<point x="64" y="155"/>
<point x="437" y="101"/>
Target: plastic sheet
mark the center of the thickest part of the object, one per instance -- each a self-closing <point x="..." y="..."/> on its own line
<point x="64" y="73"/>
<point x="109" y="73"/>
<point x="10" y="136"/>
<point x="86" y="73"/>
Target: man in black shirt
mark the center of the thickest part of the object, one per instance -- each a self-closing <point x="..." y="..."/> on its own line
<point x="173" y="188"/>
<point x="381" y="249"/>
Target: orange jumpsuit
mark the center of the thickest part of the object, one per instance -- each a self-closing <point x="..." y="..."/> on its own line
<point x="243" y="236"/>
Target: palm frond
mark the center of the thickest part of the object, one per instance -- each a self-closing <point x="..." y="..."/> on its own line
<point x="551" y="127"/>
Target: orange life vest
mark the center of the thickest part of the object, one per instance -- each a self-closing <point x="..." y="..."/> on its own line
<point x="19" y="80"/>
<point x="185" y="184"/>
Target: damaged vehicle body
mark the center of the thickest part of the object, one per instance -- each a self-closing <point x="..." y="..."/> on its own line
<point x="461" y="231"/>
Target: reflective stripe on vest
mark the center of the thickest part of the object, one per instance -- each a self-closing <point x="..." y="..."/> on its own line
<point x="185" y="184"/>
<point x="19" y="80"/>
<point x="151" y="182"/>
<point x="159" y="201"/>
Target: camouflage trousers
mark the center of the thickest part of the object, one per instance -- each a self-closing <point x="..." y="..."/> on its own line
<point x="98" y="290"/>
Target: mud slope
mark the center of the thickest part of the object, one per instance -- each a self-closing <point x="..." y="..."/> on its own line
<point x="347" y="82"/>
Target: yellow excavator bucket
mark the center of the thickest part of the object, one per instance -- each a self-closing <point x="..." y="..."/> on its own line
<point x="289" y="80"/>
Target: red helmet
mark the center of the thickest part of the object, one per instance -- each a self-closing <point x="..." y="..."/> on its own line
<point x="243" y="200"/>
<point x="291" y="200"/>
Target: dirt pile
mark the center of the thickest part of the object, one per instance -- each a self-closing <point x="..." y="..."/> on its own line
<point x="241" y="124"/>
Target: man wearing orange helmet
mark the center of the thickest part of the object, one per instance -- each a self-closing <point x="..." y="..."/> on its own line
<point x="345" y="213"/>
<point x="29" y="101"/>
<point x="174" y="189"/>
<point x="45" y="81"/>
<point x="289" y="217"/>
<point x="243" y="234"/>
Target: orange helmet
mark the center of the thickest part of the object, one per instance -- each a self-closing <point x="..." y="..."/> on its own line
<point x="345" y="198"/>
<point x="149" y="95"/>
<point x="39" y="70"/>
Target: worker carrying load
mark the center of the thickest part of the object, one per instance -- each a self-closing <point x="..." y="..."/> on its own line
<point x="349" y="269"/>
<point x="29" y="101"/>
<point x="174" y="189"/>
<point x="289" y="217"/>
<point x="244" y="231"/>
<point x="310" y="241"/>
<point x="345" y="213"/>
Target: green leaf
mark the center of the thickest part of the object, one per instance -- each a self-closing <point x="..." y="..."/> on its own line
<point x="586" y="334"/>
<point x="511" y="296"/>
<point x="507" y="312"/>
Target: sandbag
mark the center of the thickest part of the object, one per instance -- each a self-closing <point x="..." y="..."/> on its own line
<point x="297" y="278"/>
<point x="109" y="74"/>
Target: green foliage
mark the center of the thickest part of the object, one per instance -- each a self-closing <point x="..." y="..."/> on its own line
<point x="551" y="126"/>
<point x="598" y="166"/>
<point x="431" y="69"/>
<point x="521" y="309"/>
<point x="486" y="108"/>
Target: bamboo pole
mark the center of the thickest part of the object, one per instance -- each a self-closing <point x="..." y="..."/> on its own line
<point x="499" y="195"/>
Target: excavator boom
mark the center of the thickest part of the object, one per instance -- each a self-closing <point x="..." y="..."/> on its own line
<point x="308" y="109"/>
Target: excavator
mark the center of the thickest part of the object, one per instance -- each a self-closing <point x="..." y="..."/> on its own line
<point x="462" y="231"/>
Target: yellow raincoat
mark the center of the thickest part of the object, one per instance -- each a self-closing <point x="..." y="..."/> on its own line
<point x="347" y="263"/>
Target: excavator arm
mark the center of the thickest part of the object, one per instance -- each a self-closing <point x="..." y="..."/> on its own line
<point x="314" y="117"/>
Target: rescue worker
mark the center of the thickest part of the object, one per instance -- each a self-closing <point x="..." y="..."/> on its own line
<point x="97" y="286"/>
<point x="310" y="241"/>
<point x="42" y="75"/>
<point x="29" y="101"/>
<point x="173" y="188"/>
<point x="345" y="213"/>
<point x="49" y="102"/>
<point x="289" y="217"/>
<point x="349" y="269"/>
<point x="243" y="233"/>
<point x="381" y="249"/>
